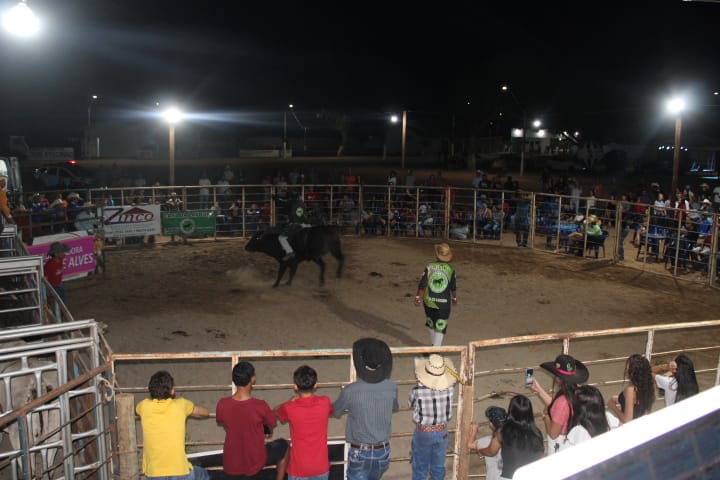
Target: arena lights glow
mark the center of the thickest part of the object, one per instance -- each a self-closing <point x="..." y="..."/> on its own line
<point x="21" y="21"/>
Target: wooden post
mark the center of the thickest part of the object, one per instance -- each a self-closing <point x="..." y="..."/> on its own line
<point x="128" y="464"/>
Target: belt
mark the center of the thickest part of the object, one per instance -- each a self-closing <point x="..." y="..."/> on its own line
<point x="431" y="428"/>
<point x="370" y="446"/>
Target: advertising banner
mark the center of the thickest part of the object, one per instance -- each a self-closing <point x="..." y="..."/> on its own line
<point x="79" y="261"/>
<point x="189" y="222"/>
<point x="131" y="221"/>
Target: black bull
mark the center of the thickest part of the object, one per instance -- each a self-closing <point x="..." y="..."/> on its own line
<point x="309" y="244"/>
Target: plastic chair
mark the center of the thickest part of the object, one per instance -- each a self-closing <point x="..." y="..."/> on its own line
<point x="598" y="242"/>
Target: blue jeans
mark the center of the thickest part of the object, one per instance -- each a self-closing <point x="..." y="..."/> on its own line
<point x="324" y="476"/>
<point x="197" y="473"/>
<point x="428" y="454"/>
<point x="367" y="464"/>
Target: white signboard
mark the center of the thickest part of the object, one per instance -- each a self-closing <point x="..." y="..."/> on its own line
<point x="131" y="221"/>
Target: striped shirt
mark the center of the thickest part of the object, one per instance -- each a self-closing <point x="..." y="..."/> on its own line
<point x="431" y="407"/>
<point x="369" y="407"/>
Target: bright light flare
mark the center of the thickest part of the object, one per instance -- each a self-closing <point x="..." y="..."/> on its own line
<point x="173" y="115"/>
<point x="21" y="21"/>
<point x="537" y="123"/>
<point x="676" y="105"/>
<point x="394" y="118"/>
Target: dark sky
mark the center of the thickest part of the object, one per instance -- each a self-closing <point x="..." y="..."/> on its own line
<point x="603" y="67"/>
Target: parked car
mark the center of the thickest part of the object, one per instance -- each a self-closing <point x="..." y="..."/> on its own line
<point x="63" y="176"/>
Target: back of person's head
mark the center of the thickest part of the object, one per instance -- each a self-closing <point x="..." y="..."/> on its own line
<point x="687" y="385"/>
<point x="588" y="410"/>
<point x="161" y="385"/>
<point x="639" y="373"/>
<point x="305" y="378"/>
<point x="520" y="429"/>
<point x="242" y="373"/>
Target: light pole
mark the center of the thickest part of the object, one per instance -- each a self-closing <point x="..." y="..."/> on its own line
<point x="676" y="107"/>
<point x="172" y="116"/>
<point x="284" y="143"/>
<point x="88" y="140"/>
<point x="21" y="21"/>
<point x="505" y="88"/>
<point x="394" y="119"/>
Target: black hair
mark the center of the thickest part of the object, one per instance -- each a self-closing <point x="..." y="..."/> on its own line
<point x="520" y="430"/>
<point x="161" y="385"/>
<point x="640" y="374"/>
<point x="567" y="389"/>
<point x="687" y="385"/>
<point x="305" y="378"/>
<point x="242" y="374"/>
<point x="588" y="410"/>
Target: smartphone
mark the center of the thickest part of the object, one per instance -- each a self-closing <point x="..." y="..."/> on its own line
<point x="529" y="373"/>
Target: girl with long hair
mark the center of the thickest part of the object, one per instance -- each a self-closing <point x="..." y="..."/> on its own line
<point x="519" y="440"/>
<point x="568" y="373"/>
<point x="680" y="384"/>
<point x="637" y="398"/>
<point x="588" y="419"/>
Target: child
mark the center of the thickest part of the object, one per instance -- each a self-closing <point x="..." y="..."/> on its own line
<point x="308" y="416"/>
<point x="493" y="463"/>
<point x="53" y="269"/>
<point x="163" y="423"/>
<point x="99" y="252"/>
<point x="245" y="420"/>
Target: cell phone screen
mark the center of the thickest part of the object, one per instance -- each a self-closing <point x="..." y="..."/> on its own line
<point x="529" y="373"/>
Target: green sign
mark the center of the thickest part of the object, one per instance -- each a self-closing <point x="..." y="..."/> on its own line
<point x="189" y="222"/>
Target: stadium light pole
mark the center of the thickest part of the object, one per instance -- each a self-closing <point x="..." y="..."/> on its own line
<point x="506" y="88"/>
<point x="394" y="119"/>
<point x="21" y="21"/>
<point x="88" y="140"/>
<point x="172" y="115"/>
<point x="676" y="106"/>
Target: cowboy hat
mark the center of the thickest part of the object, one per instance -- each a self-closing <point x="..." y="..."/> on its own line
<point x="442" y="252"/>
<point x="434" y="372"/>
<point x="372" y="359"/>
<point x="594" y="219"/>
<point x="57" y="247"/>
<point x="568" y="369"/>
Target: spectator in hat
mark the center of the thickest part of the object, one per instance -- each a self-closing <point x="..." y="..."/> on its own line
<point x="54" y="268"/>
<point x="436" y="289"/>
<point x="431" y="400"/>
<point x="4" y="207"/>
<point x="568" y="374"/>
<point x="369" y="403"/>
<point x="489" y="445"/>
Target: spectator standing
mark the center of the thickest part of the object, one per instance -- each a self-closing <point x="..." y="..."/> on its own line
<point x="369" y="403"/>
<point x="4" y="207"/>
<point x="204" y="183"/>
<point x="589" y="418"/>
<point x="431" y="400"/>
<point x="163" y="419"/>
<point x="716" y="199"/>
<point x="54" y="267"/>
<point x="637" y="397"/>
<point x="680" y="384"/>
<point x="568" y="374"/>
<point x="246" y="419"/>
<point x="87" y="219"/>
<point x="308" y="416"/>
<point x="436" y="289"/>
<point x="493" y="460"/>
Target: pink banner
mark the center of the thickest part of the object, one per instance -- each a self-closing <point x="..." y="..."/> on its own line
<point x="78" y="261"/>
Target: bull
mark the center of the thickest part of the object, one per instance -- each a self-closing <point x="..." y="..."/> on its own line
<point x="309" y="244"/>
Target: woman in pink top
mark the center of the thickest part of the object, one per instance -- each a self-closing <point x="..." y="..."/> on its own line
<point x="569" y="373"/>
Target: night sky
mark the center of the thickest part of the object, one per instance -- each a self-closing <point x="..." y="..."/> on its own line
<point x="605" y="68"/>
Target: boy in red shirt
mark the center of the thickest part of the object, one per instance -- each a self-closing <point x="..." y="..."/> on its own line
<point x="246" y="419"/>
<point x="54" y="267"/>
<point x="308" y="416"/>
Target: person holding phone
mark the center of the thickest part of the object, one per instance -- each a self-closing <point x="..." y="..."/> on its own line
<point x="568" y="373"/>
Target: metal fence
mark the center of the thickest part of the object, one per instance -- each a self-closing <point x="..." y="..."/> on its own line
<point x="489" y="368"/>
<point x="668" y="241"/>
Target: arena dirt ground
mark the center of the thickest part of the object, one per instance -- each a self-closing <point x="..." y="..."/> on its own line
<point x="212" y="295"/>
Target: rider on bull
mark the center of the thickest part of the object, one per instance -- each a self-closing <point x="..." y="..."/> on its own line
<point x="297" y="220"/>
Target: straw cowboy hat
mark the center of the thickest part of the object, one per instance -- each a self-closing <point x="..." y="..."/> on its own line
<point x="594" y="219"/>
<point x="568" y="369"/>
<point x="435" y="372"/>
<point x="372" y="359"/>
<point x="443" y="252"/>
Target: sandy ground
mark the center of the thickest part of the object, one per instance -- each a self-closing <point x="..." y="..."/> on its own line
<point x="212" y="295"/>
